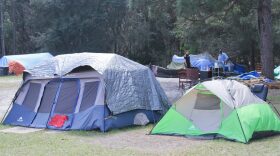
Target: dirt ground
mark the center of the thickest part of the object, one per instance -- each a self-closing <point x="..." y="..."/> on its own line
<point x="136" y="138"/>
<point x="171" y="88"/>
<point x="8" y="88"/>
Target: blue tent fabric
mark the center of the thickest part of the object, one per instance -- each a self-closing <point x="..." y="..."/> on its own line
<point x="96" y="117"/>
<point x="239" y="69"/>
<point x="20" y="116"/>
<point x="27" y="60"/>
<point x="267" y="80"/>
<point x="202" y="64"/>
<point x="250" y="75"/>
<point x="202" y="61"/>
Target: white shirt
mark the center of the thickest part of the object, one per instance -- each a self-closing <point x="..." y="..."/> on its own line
<point x="222" y="57"/>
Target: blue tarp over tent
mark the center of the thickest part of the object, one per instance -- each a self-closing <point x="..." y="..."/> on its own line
<point x="202" y="61"/>
<point x="249" y="75"/>
<point x="239" y="69"/>
<point x="27" y="60"/>
<point x="202" y="64"/>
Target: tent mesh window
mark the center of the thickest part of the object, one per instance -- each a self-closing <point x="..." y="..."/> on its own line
<point x="67" y="98"/>
<point x="207" y="102"/>
<point x="32" y="95"/>
<point x="89" y="95"/>
<point x="48" y="97"/>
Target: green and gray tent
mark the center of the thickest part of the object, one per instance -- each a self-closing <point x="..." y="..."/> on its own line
<point x="219" y="108"/>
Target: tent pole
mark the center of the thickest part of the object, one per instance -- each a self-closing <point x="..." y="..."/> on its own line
<point x="275" y="109"/>
<point x="241" y="125"/>
<point x="5" y="115"/>
<point x="237" y="115"/>
<point x="154" y="123"/>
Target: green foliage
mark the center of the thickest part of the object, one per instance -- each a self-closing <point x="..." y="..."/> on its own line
<point x="144" y="30"/>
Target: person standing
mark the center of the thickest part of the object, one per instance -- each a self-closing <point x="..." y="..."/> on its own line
<point x="223" y="57"/>
<point x="187" y="59"/>
<point x="222" y="61"/>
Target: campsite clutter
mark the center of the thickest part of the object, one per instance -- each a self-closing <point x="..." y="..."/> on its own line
<point x="233" y="108"/>
<point x="86" y="91"/>
<point x="207" y="65"/>
<point x="210" y="68"/>
<point x="254" y="77"/>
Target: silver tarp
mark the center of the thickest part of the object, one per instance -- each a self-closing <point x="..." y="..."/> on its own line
<point x="129" y="85"/>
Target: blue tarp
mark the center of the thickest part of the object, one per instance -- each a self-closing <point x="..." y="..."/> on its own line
<point x="239" y="69"/>
<point x="201" y="61"/>
<point x="202" y="64"/>
<point x="27" y="60"/>
<point x="249" y="75"/>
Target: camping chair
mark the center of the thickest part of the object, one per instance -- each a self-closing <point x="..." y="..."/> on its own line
<point x="188" y="76"/>
<point x="260" y="90"/>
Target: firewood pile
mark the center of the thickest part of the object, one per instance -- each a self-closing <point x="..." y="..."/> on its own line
<point x="261" y="80"/>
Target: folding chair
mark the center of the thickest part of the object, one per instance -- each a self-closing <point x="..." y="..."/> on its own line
<point x="188" y="76"/>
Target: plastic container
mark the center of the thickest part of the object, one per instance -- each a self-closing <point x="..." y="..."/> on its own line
<point x="4" y="71"/>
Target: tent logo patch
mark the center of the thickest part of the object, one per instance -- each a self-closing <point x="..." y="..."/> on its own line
<point x="192" y="128"/>
<point x="20" y="119"/>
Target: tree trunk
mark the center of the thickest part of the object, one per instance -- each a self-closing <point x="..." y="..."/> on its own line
<point x="14" y="26"/>
<point x="265" y="32"/>
<point x="253" y="56"/>
<point x="2" y="28"/>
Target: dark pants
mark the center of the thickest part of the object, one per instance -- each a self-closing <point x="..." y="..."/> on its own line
<point x="188" y="64"/>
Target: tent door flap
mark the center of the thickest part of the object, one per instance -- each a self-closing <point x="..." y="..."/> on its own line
<point x="64" y="105"/>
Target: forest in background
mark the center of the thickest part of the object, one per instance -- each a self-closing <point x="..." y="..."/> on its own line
<point x="147" y="31"/>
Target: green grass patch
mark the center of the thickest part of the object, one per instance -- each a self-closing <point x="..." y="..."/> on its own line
<point x="80" y="143"/>
<point x="8" y="82"/>
<point x="269" y="146"/>
<point x="274" y="98"/>
<point x="4" y="126"/>
<point x="41" y="143"/>
<point x="10" y="77"/>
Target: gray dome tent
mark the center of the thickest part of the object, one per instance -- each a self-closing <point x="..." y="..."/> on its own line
<point x="114" y="92"/>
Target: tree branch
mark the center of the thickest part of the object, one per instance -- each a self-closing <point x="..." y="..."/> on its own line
<point x="224" y="13"/>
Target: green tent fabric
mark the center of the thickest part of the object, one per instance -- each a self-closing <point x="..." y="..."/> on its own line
<point x="219" y="108"/>
<point x="277" y="73"/>
<point x="174" y="65"/>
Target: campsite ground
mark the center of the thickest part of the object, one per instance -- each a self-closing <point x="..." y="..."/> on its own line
<point x="128" y="141"/>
